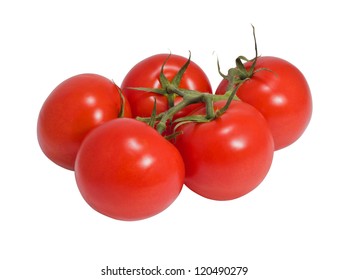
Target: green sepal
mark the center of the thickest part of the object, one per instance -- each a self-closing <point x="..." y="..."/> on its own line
<point x="190" y="119"/>
<point x="242" y="57"/>
<point x="173" y="135"/>
<point x="177" y="78"/>
<point x="153" y="90"/>
<point x="251" y="70"/>
<point x="165" y="83"/>
<point x="152" y="121"/>
<point x="240" y="68"/>
<point x="163" y="79"/>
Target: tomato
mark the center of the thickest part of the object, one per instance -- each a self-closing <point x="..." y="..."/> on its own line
<point x="126" y="170"/>
<point x="281" y="94"/>
<point x="74" y="107"/>
<point x="229" y="156"/>
<point x="147" y="74"/>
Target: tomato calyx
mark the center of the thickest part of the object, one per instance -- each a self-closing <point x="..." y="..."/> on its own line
<point x="240" y="73"/>
<point x="166" y="84"/>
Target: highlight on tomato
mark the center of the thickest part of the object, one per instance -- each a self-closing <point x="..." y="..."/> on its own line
<point x="74" y="108"/>
<point x="126" y="170"/>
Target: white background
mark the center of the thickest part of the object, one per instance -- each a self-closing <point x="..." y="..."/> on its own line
<point x="293" y="226"/>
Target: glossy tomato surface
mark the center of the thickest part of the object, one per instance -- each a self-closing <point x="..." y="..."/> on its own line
<point x="126" y="170"/>
<point x="281" y="94"/>
<point x="73" y="108"/>
<point x="147" y="74"/>
<point x="229" y="156"/>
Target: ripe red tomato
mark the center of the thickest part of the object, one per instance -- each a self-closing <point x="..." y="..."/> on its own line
<point x="282" y="95"/>
<point x="227" y="157"/>
<point x="126" y="170"/>
<point x="147" y="74"/>
<point x="74" y="107"/>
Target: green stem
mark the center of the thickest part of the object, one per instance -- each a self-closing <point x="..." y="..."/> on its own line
<point x="171" y="98"/>
<point x="168" y="115"/>
<point x="230" y="97"/>
<point x="209" y="106"/>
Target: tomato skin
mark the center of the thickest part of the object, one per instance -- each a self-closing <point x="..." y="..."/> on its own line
<point x="126" y="170"/>
<point x="229" y="156"/>
<point x="282" y="95"/>
<point x="74" y="107"/>
<point x="146" y="73"/>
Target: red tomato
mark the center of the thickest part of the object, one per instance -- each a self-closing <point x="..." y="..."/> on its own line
<point x="74" y="107"/>
<point x="282" y="95"/>
<point x="126" y="170"/>
<point x="228" y="157"/>
<point x="146" y="74"/>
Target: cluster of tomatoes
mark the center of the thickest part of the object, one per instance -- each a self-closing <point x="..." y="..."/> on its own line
<point x="133" y="147"/>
